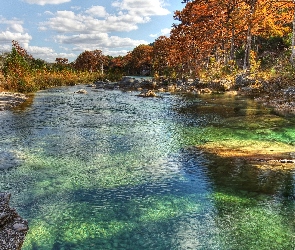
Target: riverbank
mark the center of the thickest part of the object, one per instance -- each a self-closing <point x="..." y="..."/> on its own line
<point x="276" y="93"/>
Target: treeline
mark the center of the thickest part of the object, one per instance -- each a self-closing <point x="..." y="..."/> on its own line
<point x="211" y="39"/>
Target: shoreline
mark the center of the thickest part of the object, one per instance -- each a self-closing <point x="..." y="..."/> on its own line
<point x="279" y="97"/>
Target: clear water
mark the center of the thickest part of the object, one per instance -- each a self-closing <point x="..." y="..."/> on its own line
<point x="110" y="170"/>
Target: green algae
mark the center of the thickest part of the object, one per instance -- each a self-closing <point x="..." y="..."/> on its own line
<point x="136" y="183"/>
<point x="76" y="226"/>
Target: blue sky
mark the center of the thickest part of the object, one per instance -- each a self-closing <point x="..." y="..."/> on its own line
<point x="48" y="29"/>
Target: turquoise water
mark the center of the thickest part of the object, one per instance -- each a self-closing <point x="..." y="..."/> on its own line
<point x="111" y="170"/>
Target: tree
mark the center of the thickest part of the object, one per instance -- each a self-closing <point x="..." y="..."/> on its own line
<point x="17" y="67"/>
<point x="139" y="60"/>
<point x="211" y="28"/>
<point x="161" y="51"/>
<point x="90" y="61"/>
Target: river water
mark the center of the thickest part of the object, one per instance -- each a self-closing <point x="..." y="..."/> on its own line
<point x="111" y="170"/>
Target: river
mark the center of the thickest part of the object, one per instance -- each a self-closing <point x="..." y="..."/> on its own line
<point x="111" y="170"/>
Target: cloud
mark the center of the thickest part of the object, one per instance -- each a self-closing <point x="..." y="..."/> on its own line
<point x="142" y="7"/>
<point x="48" y="54"/>
<point x="75" y="7"/>
<point x="97" y="11"/>
<point x="69" y="22"/>
<point x="96" y="19"/>
<point x="44" y="2"/>
<point x="109" y="45"/>
<point x="12" y="29"/>
<point x="16" y="27"/>
<point x="47" y="12"/>
<point x="164" y="32"/>
<point x="5" y="48"/>
<point x="101" y="39"/>
<point x="6" y="38"/>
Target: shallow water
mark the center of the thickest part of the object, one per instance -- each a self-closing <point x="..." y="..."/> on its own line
<point x="110" y="170"/>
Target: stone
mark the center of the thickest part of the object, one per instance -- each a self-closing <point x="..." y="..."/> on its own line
<point x="20" y="227"/>
<point x="13" y="228"/>
<point x="81" y="91"/>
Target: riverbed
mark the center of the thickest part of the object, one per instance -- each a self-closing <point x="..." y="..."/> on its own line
<point x="111" y="170"/>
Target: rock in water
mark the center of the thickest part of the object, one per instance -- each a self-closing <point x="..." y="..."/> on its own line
<point x="13" y="228"/>
<point x="148" y="93"/>
<point x="81" y="91"/>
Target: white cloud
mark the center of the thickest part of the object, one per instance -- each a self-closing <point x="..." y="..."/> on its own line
<point x="44" y="2"/>
<point x="143" y="7"/>
<point x="16" y="27"/>
<point x="97" y="11"/>
<point x="48" y="54"/>
<point x="8" y="36"/>
<point x="47" y="12"/>
<point x="96" y="19"/>
<point x="116" y="52"/>
<point x="5" y="48"/>
<point x="98" y="41"/>
<point x="164" y="32"/>
<point x="75" y="7"/>
<point x="69" y="22"/>
<point x="12" y="29"/>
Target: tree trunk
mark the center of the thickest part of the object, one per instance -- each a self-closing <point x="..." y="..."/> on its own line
<point x="101" y="68"/>
<point x="232" y="44"/>
<point x="248" y="49"/>
<point x="247" y="64"/>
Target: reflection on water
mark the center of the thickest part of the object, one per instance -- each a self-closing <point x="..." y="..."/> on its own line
<point x="110" y="170"/>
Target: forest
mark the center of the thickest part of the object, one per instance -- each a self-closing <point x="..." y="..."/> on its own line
<point x="209" y="40"/>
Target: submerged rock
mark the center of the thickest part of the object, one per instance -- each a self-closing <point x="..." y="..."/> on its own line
<point x="8" y="160"/>
<point x="148" y="93"/>
<point x="9" y="100"/>
<point x="13" y="228"/>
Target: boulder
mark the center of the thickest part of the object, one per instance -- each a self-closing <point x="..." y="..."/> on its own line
<point x="244" y="80"/>
<point x="13" y="228"/>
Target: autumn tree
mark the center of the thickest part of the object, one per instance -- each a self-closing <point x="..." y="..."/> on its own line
<point x="161" y="52"/>
<point x="62" y="61"/>
<point x="200" y="32"/>
<point x="17" y="67"/>
<point x="139" y="60"/>
<point x="90" y="61"/>
<point x="116" y="68"/>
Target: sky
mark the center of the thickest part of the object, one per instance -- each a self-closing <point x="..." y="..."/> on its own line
<point x="49" y="29"/>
